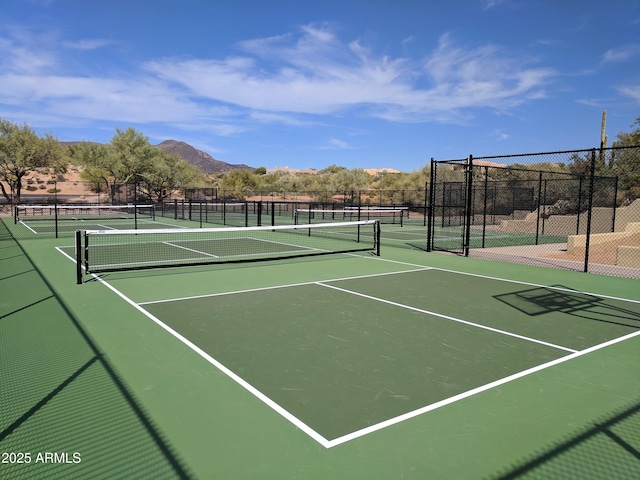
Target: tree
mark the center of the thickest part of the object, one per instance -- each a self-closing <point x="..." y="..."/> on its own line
<point x="626" y="164"/>
<point x="130" y="158"/>
<point x="167" y="174"/>
<point x="238" y="182"/>
<point x="21" y="152"/>
<point x="98" y="168"/>
<point x="131" y="155"/>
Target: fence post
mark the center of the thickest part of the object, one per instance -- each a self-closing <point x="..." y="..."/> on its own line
<point x="579" y="204"/>
<point x="426" y="192"/>
<point x="469" y="206"/>
<point x="540" y="203"/>
<point x="484" y="205"/>
<point x="615" y="201"/>
<point x="432" y="194"/>
<point x="592" y="175"/>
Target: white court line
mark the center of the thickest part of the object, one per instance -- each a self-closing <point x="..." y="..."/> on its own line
<point x="239" y="380"/>
<point x="447" y="317"/>
<point x="259" y="289"/>
<point x="27" y="226"/>
<point x="507" y="280"/>
<point x="559" y="289"/>
<point x="372" y="428"/>
<point x="474" y="391"/>
<point x="191" y="250"/>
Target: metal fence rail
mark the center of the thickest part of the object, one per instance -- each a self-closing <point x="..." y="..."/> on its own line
<point x="540" y="217"/>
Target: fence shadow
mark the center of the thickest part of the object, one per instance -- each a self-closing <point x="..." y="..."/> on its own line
<point x="62" y="401"/>
<point x="606" y="449"/>
<point x="560" y="299"/>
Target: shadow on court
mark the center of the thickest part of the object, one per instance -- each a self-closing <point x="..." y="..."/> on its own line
<point x="559" y="299"/>
<point x="62" y="402"/>
<point x="608" y="448"/>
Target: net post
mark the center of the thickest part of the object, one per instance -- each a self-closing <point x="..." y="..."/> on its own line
<point x="224" y="212"/>
<point x="246" y="213"/>
<point x="55" y="213"/>
<point x="376" y="239"/>
<point x="259" y="213"/>
<point x="273" y="214"/>
<point x="79" y="279"/>
<point x="85" y="252"/>
<point x="15" y="214"/>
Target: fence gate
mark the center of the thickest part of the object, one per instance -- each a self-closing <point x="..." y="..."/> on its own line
<point x="450" y="195"/>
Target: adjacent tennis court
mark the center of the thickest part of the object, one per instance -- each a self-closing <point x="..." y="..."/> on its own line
<point x="353" y="365"/>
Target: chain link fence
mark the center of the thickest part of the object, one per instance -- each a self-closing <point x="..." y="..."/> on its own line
<point x="490" y="207"/>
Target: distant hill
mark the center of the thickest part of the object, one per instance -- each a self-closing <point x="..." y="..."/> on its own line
<point x="201" y="159"/>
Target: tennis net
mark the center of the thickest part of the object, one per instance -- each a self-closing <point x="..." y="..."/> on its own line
<point x="119" y="250"/>
<point x="383" y="215"/>
<point x="81" y="212"/>
<point x="230" y="214"/>
<point x="68" y="218"/>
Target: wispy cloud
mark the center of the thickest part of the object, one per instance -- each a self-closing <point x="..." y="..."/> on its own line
<point x="286" y="79"/>
<point x="632" y="92"/>
<point x="316" y="73"/>
<point x="338" y="144"/>
<point x="492" y="3"/>
<point x="276" y="118"/>
<point x="622" y="54"/>
<point x="24" y="51"/>
<point x="87" y="44"/>
<point x="499" y="135"/>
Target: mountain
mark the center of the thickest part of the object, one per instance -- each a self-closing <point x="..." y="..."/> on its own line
<point x="201" y="159"/>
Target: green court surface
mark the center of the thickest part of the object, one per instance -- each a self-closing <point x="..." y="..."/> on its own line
<point x="350" y="366"/>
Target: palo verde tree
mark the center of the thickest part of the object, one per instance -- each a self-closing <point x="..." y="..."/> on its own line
<point x="131" y="154"/>
<point x="237" y="182"/>
<point x="130" y="158"/>
<point x="21" y="152"/>
<point x="167" y="174"/>
<point x="98" y="167"/>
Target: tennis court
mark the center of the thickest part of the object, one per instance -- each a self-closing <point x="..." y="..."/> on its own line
<point x="350" y="365"/>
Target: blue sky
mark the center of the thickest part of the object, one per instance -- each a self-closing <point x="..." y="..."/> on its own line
<point x="360" y="84"/>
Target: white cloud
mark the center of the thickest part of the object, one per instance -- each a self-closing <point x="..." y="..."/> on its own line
<point x="622" y="54"/>
<point x="631" y="91"/>
<point x="87" y="44"/>
<point x="499" y="134"/>
<point x="275" y="118"/>
<point x="316" y="73"/>
<point x="139" y="100"/>
<point x="276" y="80"/>
<point x="336" y="143"/>
<point x="492" y="3"/>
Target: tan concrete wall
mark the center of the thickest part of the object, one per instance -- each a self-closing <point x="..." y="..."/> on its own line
<point x="601" y="221"/>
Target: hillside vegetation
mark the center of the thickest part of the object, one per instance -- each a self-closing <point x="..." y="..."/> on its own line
<point x="159" y="173"/>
